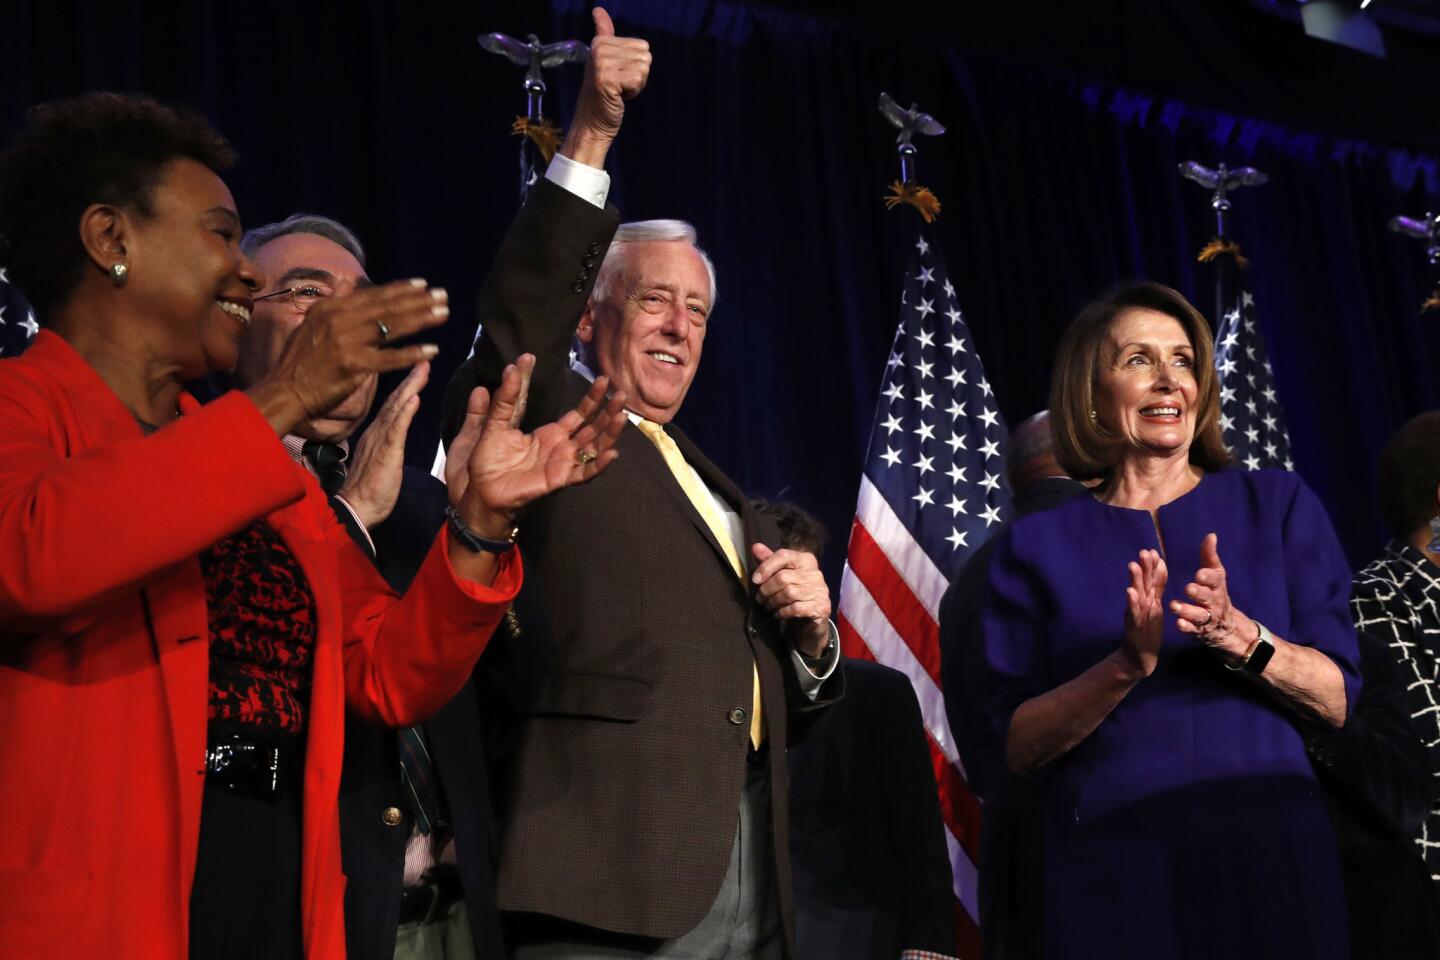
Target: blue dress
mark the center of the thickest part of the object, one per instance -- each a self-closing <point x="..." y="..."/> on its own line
<point x="1189" y="823"/>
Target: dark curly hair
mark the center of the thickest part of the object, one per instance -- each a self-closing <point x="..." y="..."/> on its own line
<point x="1410" y="475"/>
<point x="97" y="148"/>
<point x="798" y="529"/>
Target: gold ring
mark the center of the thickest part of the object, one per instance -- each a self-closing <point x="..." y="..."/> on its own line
<point x="584" y="457"/>
<point x="1209" y="615"/>
<point x="384" y="331"/>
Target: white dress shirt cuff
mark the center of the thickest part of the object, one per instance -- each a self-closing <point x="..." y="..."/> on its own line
<point x="586" y="182"/>
<point x="358" y="522"/>
<point x="811" y="678"/>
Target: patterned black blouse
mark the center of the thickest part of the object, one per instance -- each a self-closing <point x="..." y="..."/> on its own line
<point x="1397" y="599"/>
<point x="262" y="631"/>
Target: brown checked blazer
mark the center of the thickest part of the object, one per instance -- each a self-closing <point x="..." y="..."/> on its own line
<point x="631" y="682"/>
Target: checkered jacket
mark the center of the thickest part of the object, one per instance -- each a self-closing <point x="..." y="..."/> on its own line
<point x="1397" y="599"/>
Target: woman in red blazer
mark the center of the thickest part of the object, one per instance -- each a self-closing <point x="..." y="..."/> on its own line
<point x="182" y="621"/>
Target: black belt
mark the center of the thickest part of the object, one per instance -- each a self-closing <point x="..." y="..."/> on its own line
<point x="432" y="900"/>
<point x="249" y="766"/>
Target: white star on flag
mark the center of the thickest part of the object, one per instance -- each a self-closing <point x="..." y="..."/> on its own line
<point x="1248" y="397"/>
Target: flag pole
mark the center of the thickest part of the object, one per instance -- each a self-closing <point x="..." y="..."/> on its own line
<point x="1425" y="228"/>
<point x="1252" y="418"/>
<point x="932" y="491"/>
<point x="910" y="121"/>
<point x="539" y="134"/>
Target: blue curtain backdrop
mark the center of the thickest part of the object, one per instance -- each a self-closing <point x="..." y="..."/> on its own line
<point x="760" y="127"/>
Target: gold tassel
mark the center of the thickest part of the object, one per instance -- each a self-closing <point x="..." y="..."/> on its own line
<point x="1432" y="303"/>
<point x="1217" y="247"/>
<point x="917" y="196"/>
<point x="544" y="134"/>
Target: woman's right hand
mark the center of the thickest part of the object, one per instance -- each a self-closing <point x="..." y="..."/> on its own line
<point x="341" y="342"/>
<point x="1144" y="613"/>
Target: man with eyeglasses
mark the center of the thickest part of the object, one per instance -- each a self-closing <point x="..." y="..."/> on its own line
<point x="415" y="849"/>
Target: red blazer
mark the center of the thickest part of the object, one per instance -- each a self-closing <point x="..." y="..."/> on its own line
<point x="104" y="655"/>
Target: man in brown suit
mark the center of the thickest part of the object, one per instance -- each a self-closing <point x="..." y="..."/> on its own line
<point x="665" y="635"/>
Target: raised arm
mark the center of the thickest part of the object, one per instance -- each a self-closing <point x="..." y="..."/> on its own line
<point x="541" y="279"/>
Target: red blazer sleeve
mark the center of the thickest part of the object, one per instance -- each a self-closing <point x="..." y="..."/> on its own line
<point x="406" y="657"/>
<point x="75" y="526"/>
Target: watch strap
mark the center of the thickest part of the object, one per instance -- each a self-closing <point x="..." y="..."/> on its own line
<point x="472" y="540"/>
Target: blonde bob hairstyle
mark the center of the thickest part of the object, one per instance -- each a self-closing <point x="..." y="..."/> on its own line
<point x="1084" y="446"/>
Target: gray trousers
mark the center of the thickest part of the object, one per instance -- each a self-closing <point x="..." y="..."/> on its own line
<point x="744" y="921"/>
<point x="444" y="938"/>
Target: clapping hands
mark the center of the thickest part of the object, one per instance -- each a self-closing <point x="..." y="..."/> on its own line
<point x="493" y="468"/>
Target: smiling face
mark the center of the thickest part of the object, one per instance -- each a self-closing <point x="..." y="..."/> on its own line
<point x="647" y="334"/>
<point x="317" y="266"/>
<point x="187" y="271"/>
<point x="1146" y="393"/>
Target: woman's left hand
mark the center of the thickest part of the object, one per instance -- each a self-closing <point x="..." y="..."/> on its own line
<point x="494" y="468"/>
<point x="1209" y="616"/>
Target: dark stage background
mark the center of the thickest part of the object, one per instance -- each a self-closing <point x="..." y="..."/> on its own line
<point x="1057" y="178"/>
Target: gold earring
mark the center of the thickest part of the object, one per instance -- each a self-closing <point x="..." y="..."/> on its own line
<point x="1093" y="418"/>
<point x="119" y="272"/>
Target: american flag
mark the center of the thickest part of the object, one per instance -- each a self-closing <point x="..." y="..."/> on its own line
<point x="1251" y="416"/>
<point x="17" y="320"/>
<point x="932" y="491"/>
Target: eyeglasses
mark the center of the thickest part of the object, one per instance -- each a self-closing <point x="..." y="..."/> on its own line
<point x="302" y="297"/>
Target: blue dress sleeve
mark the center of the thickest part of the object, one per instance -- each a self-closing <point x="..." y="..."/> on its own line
<point x="1317" y="580"/>
<point x="1014" y="625"/>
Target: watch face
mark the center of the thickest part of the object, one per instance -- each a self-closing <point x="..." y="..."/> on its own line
<point x="1264" y="650"/>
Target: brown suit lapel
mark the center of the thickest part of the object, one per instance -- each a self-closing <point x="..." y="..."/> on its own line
<point x="716" y="481"/>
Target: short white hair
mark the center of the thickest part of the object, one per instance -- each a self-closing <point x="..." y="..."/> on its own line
<point x="649" y="231"/>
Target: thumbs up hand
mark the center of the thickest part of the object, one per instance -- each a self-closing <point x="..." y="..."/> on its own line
<point x="617" y="71"/>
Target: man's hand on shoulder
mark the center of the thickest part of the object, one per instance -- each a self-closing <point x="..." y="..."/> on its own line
<point x="617" y="71"/>
<point x="790" y="585"/>
<point x="377" y="464"/>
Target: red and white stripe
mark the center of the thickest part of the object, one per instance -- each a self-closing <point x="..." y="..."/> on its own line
<point x="890" y="612"/>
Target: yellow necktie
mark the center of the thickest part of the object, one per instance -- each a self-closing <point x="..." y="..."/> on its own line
<point x="705" y="504"/>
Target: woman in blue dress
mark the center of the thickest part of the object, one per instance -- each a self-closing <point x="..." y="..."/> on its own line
<point x="1155" y="649"/>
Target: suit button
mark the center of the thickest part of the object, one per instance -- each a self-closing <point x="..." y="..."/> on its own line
<point x="583" y="275"/>
<point x="578" y="288"/>
<point x="737" y="716"/>
<point x="589" y="261"/>
<point x="594" y="249"/>
<point x="751" y="629"/>
<point x="392" y="817"/>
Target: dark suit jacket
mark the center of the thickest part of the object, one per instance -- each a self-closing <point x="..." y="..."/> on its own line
<point x="638" y="638"/>
<point x="373" y="853"/>
<point x="1010" y="825"/>
<point x="1376" y="774"/>
<point x="872" y="871"/>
